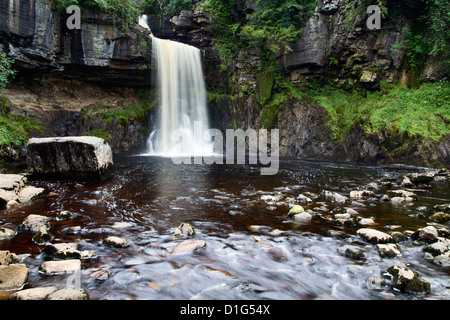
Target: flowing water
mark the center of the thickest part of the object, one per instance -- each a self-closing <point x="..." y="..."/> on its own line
<point x="253" y="250"/>
<point x="182" y="96"/>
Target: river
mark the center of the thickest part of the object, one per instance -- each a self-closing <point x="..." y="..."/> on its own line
<point x="253" y="250"/>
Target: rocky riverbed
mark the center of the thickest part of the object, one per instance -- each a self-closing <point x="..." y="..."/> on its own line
<point x="383" y="235"/>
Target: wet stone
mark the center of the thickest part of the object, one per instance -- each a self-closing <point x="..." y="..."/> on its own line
<point x="116" y="242"/>
<point x="408" y="281"/>
<point x="39" y="293"/>
<point x="65" y="215"/>
<point x="6" y="233"/>
<point x="390" y="250"/>
<point x="184" y="230"/>
<point x="375" y="236"/>
<point x="354" y="253"/>
<point x="60" y="267"/>
<point x="68" y="294"/>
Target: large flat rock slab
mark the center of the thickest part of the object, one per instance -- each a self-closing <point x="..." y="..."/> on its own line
<point x="70" y="157"/>
<point x="13" y="276"/>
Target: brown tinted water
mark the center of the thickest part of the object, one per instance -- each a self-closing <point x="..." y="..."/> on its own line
<point x="246" y="256"/>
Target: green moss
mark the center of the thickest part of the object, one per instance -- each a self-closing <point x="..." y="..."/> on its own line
<point x="422" y="112"/>
<point x="17" y="129"/>
<point x="122" y="115"/>
<point x="264" y="85"/>
<point x="101" y="133"/>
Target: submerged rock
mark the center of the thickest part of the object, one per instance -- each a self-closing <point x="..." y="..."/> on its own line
<point x="68" y="294"/>
<point x="85" y="157"/>
<point x="188" y="246"/>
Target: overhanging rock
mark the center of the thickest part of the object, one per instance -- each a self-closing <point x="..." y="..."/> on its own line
<point x="70" y="157"/>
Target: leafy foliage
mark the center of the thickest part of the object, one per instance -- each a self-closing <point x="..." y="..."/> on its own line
<point x="125" y="11"/>
<point x="421" y="112"/>
<point x="272" y="26"/>
<point x="6" y="71"/>
<point x="170" y="7"/>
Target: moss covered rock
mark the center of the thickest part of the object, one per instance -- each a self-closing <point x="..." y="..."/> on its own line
<point x="407" y="280"/>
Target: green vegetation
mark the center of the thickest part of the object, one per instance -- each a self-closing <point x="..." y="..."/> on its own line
<point x="6" y="71"/>
<point x="421" y="113"/>
<point x="170" y="7"/>
<point x="274" y="25"/>
<point x="17" y="129"/>
<point x="122" y="115"/>
<point x="124" y="11"/>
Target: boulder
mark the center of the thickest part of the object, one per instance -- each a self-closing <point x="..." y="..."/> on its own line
<point x="67" y="251"/>
<point x="5" y="258"/>
<point x="354" y="253"/>
<point x="13" y="276"/>
<point x="38" y="293"/>
<point x="34" y="222"/>
<point x="65" y="215"/>
<point x="303" y="217"/>
<point x="440" y="217"/>
<point x="184" y="230"/>
<point x="439" y="247"/>
<point x="72" y="157"/>
<point x="361" y="194"/>
<point x="374" y="236"/>
<point x="6" y="233"/>
<point x="68" y="294"/>
<point x="116" y="242"/>
<point x="12" y="182"/>
<point x="427" y="234"/>
<point x="30" y="193"/>
<point x="421" y="178"/>
<point x="336" y="197"/>
<point x="407" y="280"/>
<point x="60" y="267"/>
<point x="295" y="210"/>
<point x="43" y="235"/>
<point x="389" y="250"/>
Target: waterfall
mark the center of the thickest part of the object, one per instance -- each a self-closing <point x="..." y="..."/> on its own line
<point x="182" y="97"/>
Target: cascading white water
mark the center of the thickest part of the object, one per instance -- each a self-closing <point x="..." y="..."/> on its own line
<point x="182" y="96"/>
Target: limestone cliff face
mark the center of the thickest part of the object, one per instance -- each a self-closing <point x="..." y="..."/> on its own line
<point x="35" y="34"/>
<point x="101" y="55"/>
